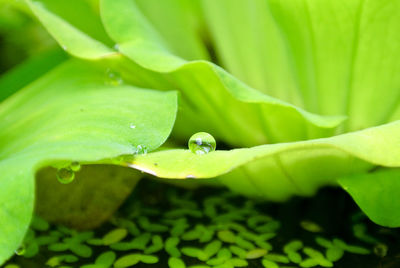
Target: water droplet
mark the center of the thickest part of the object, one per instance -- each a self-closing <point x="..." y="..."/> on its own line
<point x="64" y="47"/>
<point x="113" y="78"/>
<point x="116" y="47"/>
<point x="140" y="149"/>
<point x="132" y="126"/>
<point x="75" y="166"/>
<point x="190" y="176"/>
<point x="202" y="143"/>
<point x="20" y="251"/>
<point x="65" y="175"/>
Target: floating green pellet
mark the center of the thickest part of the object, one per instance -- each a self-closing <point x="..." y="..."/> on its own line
<point x="106" y="259"/>
<point x="39" y="224"/>
<point x="176" y="263"/>
<point x="31" y="250"/>
<point x="53" y="261"/>
<point x="216" y="261"/>
<point x="191" y="235"/>
<point x="323" y="242"/>
<point x="211" y="249"/>
<point x="170" y="247"/>
<point x="266" y="236"/>
<point x="277" y="258"/>
<point x="265" y="245"/>
<point x="244" y="243"/>
<point x="317" y="256"/>
<point x="12" y="266"/>
<point x="311" y="226"/>
<point x="236" y="262"/>
<point x="81" y="250"/>
<point x="256" y="253"/>
<point x="294" y="256"/>
<point x="269" y="264"/>
<point x="69" y="258"/>
<point x="249" y="236"/>
<point x="156" y="246"/>
<point x="294" y="245"/>
<point x="127" y="261"/>
<point x="140" y="242"/>
<point x="58" y="247"/>
<point x="191" y="252"/>
<point x="148" y="259"/>
<point x="241" y="253"/>
<point x="207" y="236"/>
<point x="224" y="254"/>
<point x="114" y="236"/>
<point x="334" y="254"/>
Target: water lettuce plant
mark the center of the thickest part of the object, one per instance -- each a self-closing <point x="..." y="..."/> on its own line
<point x="305" y="91"/>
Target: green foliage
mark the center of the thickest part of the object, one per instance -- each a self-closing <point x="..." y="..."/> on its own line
<point x="315" y="99"/>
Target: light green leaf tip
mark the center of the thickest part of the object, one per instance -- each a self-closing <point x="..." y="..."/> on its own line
<point x="377" y="195"/>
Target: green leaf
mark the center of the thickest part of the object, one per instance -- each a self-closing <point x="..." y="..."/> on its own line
<point x="211" y="97"/>
<point x="287" y="168"/>
<point x="71" y="114"/>
<point x="28" y="71"/>
<point x="376" y="194"/>
<point x="75" y="26"/>
<point x="329" y="57"/>
<point x="180" y="22"/>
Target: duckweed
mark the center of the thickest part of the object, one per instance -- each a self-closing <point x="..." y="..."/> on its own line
<point x="114" y="236"/>
<point x="212" y="233"/>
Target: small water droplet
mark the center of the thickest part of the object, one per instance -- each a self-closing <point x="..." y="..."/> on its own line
<point x="64" y="47"/>
<point x="140" y="149"/>
<point x="65" y="175"/>
<point x="113" y="78"/>
<point x="190" y="176"/>
<point x="116" y="47"/>
<point x="20" y="251"/>
<point x="75" y="166"/>
<point x="202" y="143"/>
<point x="132" y="126"/>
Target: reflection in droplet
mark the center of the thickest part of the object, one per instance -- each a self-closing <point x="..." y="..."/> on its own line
<point x="132" y="126"/>
<point x="202" y="143"/>
<point x="140" y="149"/>
<point x="113" y="78"/>
<point x="65" y="175"/>
<point x="75" y="166"/>
<point x="20" y="251"/>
